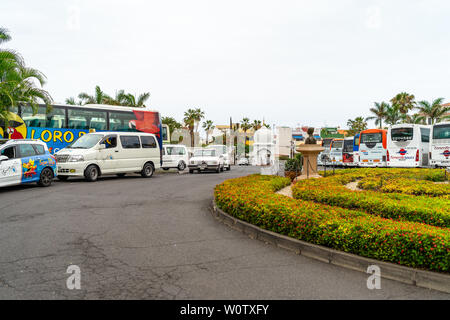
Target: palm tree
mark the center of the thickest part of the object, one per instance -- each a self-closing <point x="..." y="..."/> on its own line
<point x="356" y="125"/>
<point x="190" y="117"/>
<point x="379" y="112"/>
<point x="20" y="86"/>
<point x="393" y="115"/>
<point x="208" y="125"/>
<point x="72" y="101"/>
<point x="404" y="102"/>
<point x="256" y="125"/>
<point x="434" y="110"/>
<point x="130" y="100"/>
<point x="98" y="98"/>
<point x="416" y="118"/>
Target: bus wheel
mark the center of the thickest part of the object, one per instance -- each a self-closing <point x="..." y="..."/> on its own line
<point x="148" y="170"/>
<point x="46" y="177"/>
<point x="91" y="173"/>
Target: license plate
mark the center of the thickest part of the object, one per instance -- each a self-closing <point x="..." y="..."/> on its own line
<point x="203" y="166"/>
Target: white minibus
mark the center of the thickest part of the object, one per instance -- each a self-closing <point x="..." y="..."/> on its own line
<point x="175" y="156"/>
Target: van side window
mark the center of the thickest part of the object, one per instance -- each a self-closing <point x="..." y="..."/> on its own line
<point x="148" y="142"/>
<point x="130" y="142"/>
<point x="109" y="142"/>
<point x="9" y="152"/>
<point x="26" y="150"/>
<point x="39" y="148"/>
<point x="425" y="134"/>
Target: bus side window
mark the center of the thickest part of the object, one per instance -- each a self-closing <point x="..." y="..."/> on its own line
<point x="121" y="121"/>
<point x="80" y="118"/>
<point x="425" y="134"/>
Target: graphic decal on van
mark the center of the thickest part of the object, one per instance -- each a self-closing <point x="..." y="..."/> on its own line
<point x="446" y="153"/>
<point x="16" y="128"/>
<point x="402" y="152"/>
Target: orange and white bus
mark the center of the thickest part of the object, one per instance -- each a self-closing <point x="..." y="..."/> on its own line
<point x="372" y="148"/>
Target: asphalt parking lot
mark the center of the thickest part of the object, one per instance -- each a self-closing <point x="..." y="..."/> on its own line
<point x="136" y="238"/>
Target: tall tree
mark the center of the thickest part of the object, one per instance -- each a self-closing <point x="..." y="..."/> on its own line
<point x="20" y="86"/>
<point x="191" y="116"/>
<point x="207" y="126"/>
<point x="131" y="100"/>
<point x="99" y="97"/>
<point x="379" y="113"/>
<point x="256" y="125"/>
<point x="404" y="102"/>
<point x="356" y="125"/>
<point x="393" y="115"/>
<point x="433" y="110"/>
<point x="171" y="123"/>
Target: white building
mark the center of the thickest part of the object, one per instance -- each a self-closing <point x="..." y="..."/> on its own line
<point x="263" y="153"/>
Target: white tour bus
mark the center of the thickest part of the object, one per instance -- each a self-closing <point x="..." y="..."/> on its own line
<point x="372" y="148"/>
<point x="408" y="145"/>
<point x="175" y="156"/>
<point x="324" y="157"/>
<point x="106" y="153"/>
<point x="348" y="154"/>
<point x="440" y="145"/>
<point x="337" y="146"/>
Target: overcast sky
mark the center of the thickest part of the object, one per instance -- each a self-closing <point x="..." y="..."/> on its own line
<point x="290" y="62"/>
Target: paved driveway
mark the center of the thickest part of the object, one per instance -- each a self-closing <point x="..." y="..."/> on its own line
<point x="155" y="239"/>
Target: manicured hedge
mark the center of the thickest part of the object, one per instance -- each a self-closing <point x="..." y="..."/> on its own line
<point x="405" y="185"/>
<point x="253" y="199"/>
<point x="331" y="190"/>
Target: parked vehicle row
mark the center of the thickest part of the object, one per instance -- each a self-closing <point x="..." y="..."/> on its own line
<point x="402" y="145"/>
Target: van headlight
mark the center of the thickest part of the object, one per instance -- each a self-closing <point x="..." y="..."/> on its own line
<point x="76" y="158"/>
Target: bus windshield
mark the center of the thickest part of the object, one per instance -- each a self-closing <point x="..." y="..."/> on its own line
<point x="86" y="141"/>
<point x="371" y="137"/>
<point x="327" y="142"/>
<point x="348" y="146"/>
<point x="402" y="134"/>
<point x="337" y="144"/>
<point x="441" y="131"/>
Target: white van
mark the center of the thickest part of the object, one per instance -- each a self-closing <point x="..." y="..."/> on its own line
<point x="408" y="145"/>
<point x="337" y="146"/>
<point x="440" y="145"/>
<point x="106" y="153"/>
<point x="175" y="156"/>
<point x="225" y="152"/>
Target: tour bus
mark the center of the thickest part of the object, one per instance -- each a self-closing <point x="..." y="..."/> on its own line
<point x="356" y="150"/>
<point x="440" y="145"/>
<point x="324" y="156"/>
<point x="348" y="155"/>
<point x="372" y="148"/>
<point x="63" y="124"/>
<point x="336" y="152"/>
<point x="408" y="145"/>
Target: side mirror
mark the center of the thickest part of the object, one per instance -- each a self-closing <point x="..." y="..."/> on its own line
<point x="3" y="158"/>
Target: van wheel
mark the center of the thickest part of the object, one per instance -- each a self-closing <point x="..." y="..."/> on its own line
<point x="63" y="178"/>
<point x="46" y="177"/>
<point x="181" y="166"/>
<point x="148" y="170"/>
<point x="91" y="173"/>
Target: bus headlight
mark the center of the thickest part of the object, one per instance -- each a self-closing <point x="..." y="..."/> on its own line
<point x="76" y="158"/>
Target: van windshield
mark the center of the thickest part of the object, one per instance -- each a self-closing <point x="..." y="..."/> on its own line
<point x="371" y="137"/>
<point x="402" y="134"/>
<point x="441" y="131"/>
<point x="85" y="142"/>
<point x="205" y="153"/>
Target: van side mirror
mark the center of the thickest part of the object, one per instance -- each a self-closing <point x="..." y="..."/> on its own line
<point x="3" y="158"/>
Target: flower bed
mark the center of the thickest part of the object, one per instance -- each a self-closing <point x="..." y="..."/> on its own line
<point x="253" y="199"/>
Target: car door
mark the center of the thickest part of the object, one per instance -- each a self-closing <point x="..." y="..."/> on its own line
<point x="31" y="168"/>
<point x="11" y="169"/>
<point x="108" y="157"/>
<point x="130" y="154"/>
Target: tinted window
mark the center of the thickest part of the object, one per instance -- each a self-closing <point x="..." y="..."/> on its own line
<point x="110" y="141"/>
<point x="441" y="131"/>
<point x="348" y="146"/>
<point x="9" y="152"/>
<point x="130" y="142"/>
<point x="26" y="150"/>
<point x="86" y="119"/>
<point x="326" y="143"/>
<point x="402" y="134"/>
<point x="55" y="118"/>
<point x="148" y="142"/>
<point x="39" y="148"/>
<point x="122" y="121"/>
<point x="337" y="144"/>
<point x="371" y="137"/>
<point x="164" y="133"/>
<point x="425" y="134"/>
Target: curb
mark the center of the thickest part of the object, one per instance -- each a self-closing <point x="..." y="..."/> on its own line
<point x="415" y="277"/>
